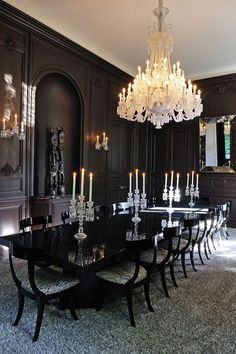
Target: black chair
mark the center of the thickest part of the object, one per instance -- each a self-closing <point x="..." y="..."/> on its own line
<point x="66" y="219"/>
<point x="206" y="227"/>
<point x="226" y="210"/>
<point x="41" y="285"/>
<point x="161" y="256"/>
<point x="121" y="207"/>
<point x="128" y="274"/>
<point x="35" y="222"/>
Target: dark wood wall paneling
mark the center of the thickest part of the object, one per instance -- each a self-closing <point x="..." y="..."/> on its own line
<point x="33" y="52"/>
<point x="59" y="68"/>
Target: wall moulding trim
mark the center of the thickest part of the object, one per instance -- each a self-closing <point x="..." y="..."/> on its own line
<point x="8" y="170"/>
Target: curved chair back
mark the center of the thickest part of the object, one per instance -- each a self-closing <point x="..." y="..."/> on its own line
<point x="37" y="222"/>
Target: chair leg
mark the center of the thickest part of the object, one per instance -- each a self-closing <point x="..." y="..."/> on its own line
<point x="205" y="250"/>
<point x="192" y="260"/>
<point x="21" y="301"/>
<point x="172" y="274"/>
<point x="147" y="295"/>
<point x="199" y="252"/>
<point x="183" y="264"/>
<point x="128" y="294"/>
<point x="213" y="243"/>
<point x="163" y="280"/>
<point x="208" y="246"/>
<point x="40" y="306"/>
<point x="73" y="314"/>
<point x="226" y="231"/>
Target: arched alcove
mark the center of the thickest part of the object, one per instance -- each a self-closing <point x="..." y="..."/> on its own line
<point x="57" y="104"/>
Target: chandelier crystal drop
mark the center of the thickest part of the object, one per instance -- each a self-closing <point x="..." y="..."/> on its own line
<point x="160" y="94"/>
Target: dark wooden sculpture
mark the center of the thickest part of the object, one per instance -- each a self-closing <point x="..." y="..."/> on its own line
<point x="56" y="162"/>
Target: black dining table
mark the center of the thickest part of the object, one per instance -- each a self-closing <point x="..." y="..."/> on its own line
<point x="105" y="243"/>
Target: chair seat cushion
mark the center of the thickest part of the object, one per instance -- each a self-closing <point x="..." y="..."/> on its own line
<point x="121" y="273"/>
<point x="147" y="255"/>
<point x="175" y="243"/>
<point x="50" y="281"/>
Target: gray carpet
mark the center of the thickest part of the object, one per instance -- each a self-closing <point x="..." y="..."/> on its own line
<point x="200" y="317"/>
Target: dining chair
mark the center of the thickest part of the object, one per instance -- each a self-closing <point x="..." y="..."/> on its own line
<point x="128" y="275"/>
<point x="161" y="255"/>
<point x="66" y="219"/>
<point x="120" y="207"/>
<point x="35" y="222"/>
<point x="206" y="225"/>
<point x="226" y="210"/>
<point x="41" y="285"/>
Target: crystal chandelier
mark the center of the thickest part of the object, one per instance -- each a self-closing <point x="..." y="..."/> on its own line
<point x="160" y="94"/>
<point x="7" y="132"/>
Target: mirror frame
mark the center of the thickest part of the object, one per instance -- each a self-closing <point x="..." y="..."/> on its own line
<point x="202" y="132"/>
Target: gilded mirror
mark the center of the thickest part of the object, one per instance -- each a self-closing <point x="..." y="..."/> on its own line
<point x="217" y="144"/>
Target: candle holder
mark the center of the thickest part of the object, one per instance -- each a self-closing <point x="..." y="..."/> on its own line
<point x="84" y="211"/>
<point x="171" y="195"/>
<point x="135" y="201"/>
<point x="193" y="192"/>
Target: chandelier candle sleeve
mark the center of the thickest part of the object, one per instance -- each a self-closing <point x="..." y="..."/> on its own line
<point x="15" y="119"/>
<point x="143" y="183"/>
<point x="3" y="124"/>
<point x="90" y="186"/>
<point x="166" y="176"/>
<point x="82" y="183"/>
<point x="197" y="177"/>
<point x="130" y="182"/>
<point x="192" y="182"/>
<point x="73" y="185"/>
<point x="136" y="179"/>
<point x="171" y="179"/>
<point x="177" y="181"/>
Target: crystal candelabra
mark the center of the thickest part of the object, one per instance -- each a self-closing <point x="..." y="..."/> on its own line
<point x="171" y="195"/>
<point x="84" y="211"/>
<point x="135" y="201"/>
<point x="193" y="192"/>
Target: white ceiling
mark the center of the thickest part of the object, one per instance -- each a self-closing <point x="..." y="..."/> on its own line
<point x="204" y="30"/>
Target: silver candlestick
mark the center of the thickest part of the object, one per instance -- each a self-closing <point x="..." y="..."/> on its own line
<point x="84" y="211"/>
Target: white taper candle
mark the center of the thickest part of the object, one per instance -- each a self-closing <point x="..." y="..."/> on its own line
<point x="166" y="177"/>
<point x="171" y="178"/>
<point x="82" y="182"/>
<point x="192" y="182"/>
<point x="177" y="181"/>
<point x="130" y="182"/>
<point x="143" y="183"/>
<point x="197" y="177"/>
<point x="136" y="179"/>
<point x="90" y="186"/>
<point x="73" y="185"/>
<point x="187" y="181"/>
